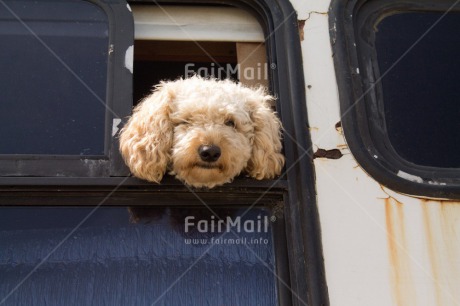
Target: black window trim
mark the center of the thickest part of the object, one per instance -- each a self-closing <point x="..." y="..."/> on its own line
<point x="362" y="121"/>
<point x="119" y="87"/>
<point x="300" y="267"/>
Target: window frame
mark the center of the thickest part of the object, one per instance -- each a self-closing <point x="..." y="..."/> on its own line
<point x="362" y="121"/>
<point x="119" y="79"/>
<point x="300" y="267"/>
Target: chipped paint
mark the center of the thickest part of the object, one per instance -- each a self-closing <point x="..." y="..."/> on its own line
<point x="129" y="58"/>
<point x="301" y="25"/>
<point x="320" y="80"/>
<point x="329" y="154"/>
<point x="380" y="247"/>
<point x="115" y="123"/>
<point x="314" y="12"/>
<point x="304" y="7"/>
<point x="437" y="183"/>
<point x="361" y="221"/>
<point x="409" y="177"/>
<point x="338" y="127"/>
<point x="94" y="167"/>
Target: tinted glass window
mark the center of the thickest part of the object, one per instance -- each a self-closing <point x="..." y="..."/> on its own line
<point x="53" y="77"/>
<point x="169" y="257"/>
<point x="421" y="92"/>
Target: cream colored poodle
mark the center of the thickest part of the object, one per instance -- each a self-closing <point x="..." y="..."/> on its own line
<point x="205" y="132"/>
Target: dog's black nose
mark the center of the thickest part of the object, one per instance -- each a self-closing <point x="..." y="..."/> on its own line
<point x="209" y="153"/>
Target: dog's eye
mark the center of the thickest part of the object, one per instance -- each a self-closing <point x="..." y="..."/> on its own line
<point x="230" y="123"/>
<point x="183" y="122"/>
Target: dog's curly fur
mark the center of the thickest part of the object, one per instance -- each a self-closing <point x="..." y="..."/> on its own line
<point x="168" y="128"/>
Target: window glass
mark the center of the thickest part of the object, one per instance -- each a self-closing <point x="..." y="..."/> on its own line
<point x="53" y="77"/>
<point x="167" y="256"/>
<point x="421" y="91"/>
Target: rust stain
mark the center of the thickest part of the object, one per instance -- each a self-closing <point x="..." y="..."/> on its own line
<point x="440" y="219"/>
<point x="401" y="276"/>
<point x="301" y="24"/>
<point x="431" y="249"/>
<point x="450" y="219"/>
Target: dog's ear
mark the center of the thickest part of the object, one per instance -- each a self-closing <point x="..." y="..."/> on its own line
<point x="146" y="139"/>
<point x="266" y="160"/>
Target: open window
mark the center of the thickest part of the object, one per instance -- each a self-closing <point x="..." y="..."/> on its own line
<point x="218" y="42"/>
<point x="77" y="231"/>
<point x="397" y="69"/>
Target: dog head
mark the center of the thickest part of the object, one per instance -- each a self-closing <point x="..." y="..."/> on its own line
<point x="205" y="132"/>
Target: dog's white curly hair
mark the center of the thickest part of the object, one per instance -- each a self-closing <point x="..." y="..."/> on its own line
<point x="205" y="132"/>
